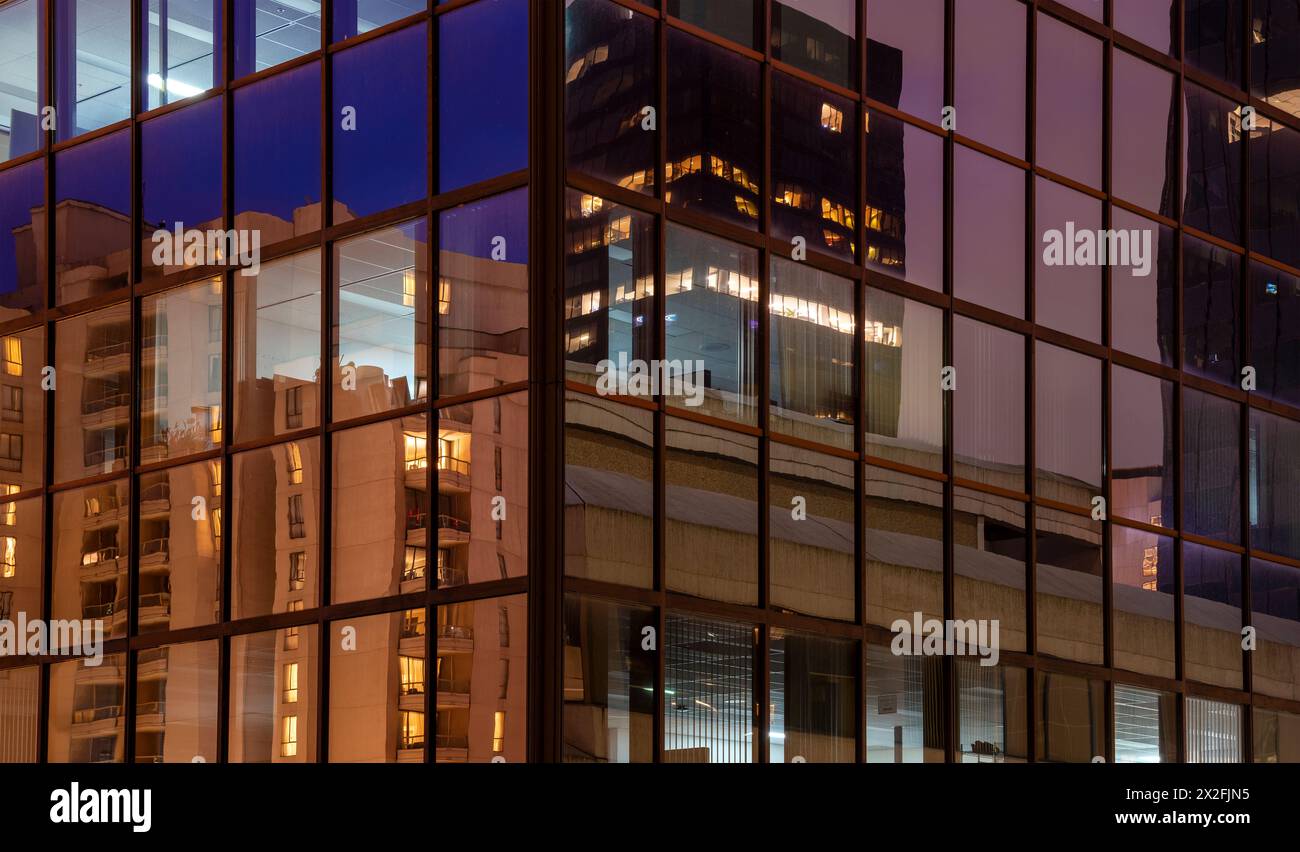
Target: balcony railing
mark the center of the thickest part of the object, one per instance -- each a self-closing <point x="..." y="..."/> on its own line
<point x="453" y="465"/>
<point x="151" y="708"/>
<point x="412" y="687"/>
<point x="452" y="576"/>
<point x="103" y="403"/>
<point x="108" y="350"/>
<point x="412" y="741"/>
<point x="157" y="491"/>
<point x="104" y="554"/>
<point x="451" y="741"/>
<point x="110" y="454"/>
<point x="155" y="546"/>
<point x="95" y="714"/>
<point x="162" y="599"/>
<point x="455" y="631"/>
<point x="415" y="520"/>
<point x="104" y="610"/>
<point x="412" y="572"/>
<point x="450" y="686"/>
<point x="449" y="522"/>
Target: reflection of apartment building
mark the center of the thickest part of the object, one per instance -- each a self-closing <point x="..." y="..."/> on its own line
<point x="482" y="679"/>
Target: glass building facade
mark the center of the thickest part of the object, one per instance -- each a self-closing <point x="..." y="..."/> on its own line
<point x="416" y="254"/>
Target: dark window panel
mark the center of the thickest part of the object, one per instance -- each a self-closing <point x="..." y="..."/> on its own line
<point x="381" y="156"/>
<point x="92" y="217"/>
<point x="905" y="56"/>
<point x="274" y="679"/>
<point x="708" y="691"/>
<point x="609" y="491"/>
<point x="1275" y="53"/>
<point x="1275" y="192"/>
<point x="1274" y="483"/>
<point x="1212" y="142"/>
<point x="990" y="74"/>
<point x="358" y="17"/>
<point x="1213" y="37"/>
<point x="903" y="544"/>
<point x="180" y="159"/>
<point x="811" y="532"/>
<point x="180" y="529"/>
<point x="711" y="477"/>
<point x="482" y="94"/>
<point x="91" y="553"/>
<point x="814" y="178"/>
<point x="904" y="214"/>
<point x="1143" y="135"/>
<point x="182" y="46"/>
<point x="22" y="410"/>
<point x="180" y="367"/>
<point x="609" y="79"/>
<point x="904" y="399"/>
<point x="904" y="707"/>
<point x="1068" y="101"/>
<point x="989" y="202"/>
<point x="77" y="707"/>
<point x="1067" y="281"/>
<point x="989" y="552"/>
<point x="1211" y="311"/>
<point x="992" y="713"/>
<point x="483" y="294"/>
<point x="1152" y="22"/>
<point x="820" y="38"/>
<point x="1067" y="422"/>
<point x="715" y="158"/>
<point x="1142" y="319"/>
<point x="1071" y="725"/>
<point x="1143" y="589"/>
<point x="989" y="404"/>
<point x="1211" y="466"/>
<point x="268" y="33"/>
<point x="733" y="19"/>
<point x="277" y="155"/>
<point x="22" y="249"/>
<point x="1275" y="333"/>
<point x="23" y="78"/>
<point x="1275" y="605"/>
<point x="1145" y="725"/>
<point x="92" y="406"/>
<point x="92" y="72"/>
<point x="1143" y="436"/>
<point x="1068" y="593"/>
<point x="1212" y="613"/>
<point x="813" y="696"/>
<point x="811" y="351"/>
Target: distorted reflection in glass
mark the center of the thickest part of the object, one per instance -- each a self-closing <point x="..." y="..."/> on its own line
<point x="708" y="691"/>
<point x="380" y="509"/>
<point x="275" y="552"/>
<point x="176" y="696"/>
<point x="1212" y="137"/>
<point x="711" y="532"/>
<point x="273" y="689"/>
<point x="992" y="713"/>
<point x="181" y="187"/>
<point x="1071" y="718"/>
<point x="482" y="694"/>
<point x="1275" y="616"/>
<point x="92" y="402"/>
<point x="1145" y="725"/>
<point x="904" y="213"/>
<point x="377" y="688"/>
<point x="20" y="693"/>
<point x="989" y="404"/>
<point x="21" y="573"/>
<point x="609" y="682"/>
<point x="22" y="410"/>
<point x="1142" y="318"/>
<point x="1143" y="440"/>
<point x="989" y="552"/>
<point x="1212" y="37"/>
<point x="1275" y="53"/>
<point x="1211" y="466"/>
<point x="1212" y="601"/>
<point x="608" y="491"/>
<point x="905" y="55"/>
<point x="1142" y="592"/>
<point x="1144" y="156"/>
<point x="904" y="707"/>
<point x="86" y="704"/>
<point x="811" y="532"/>
<point x="903" y="543"/>
<point x="904" y="403"/>
<point x="1274" y="480"/>
<point x="1211" y="311"/>
<point x="1068" y="585"/>
<point x="813" y="698"/>
<point x="91" y="544"/>
<point x="1275" y="333"/>
<point x="92" y="217"/>
<point x="181" y="514"/>
<point x="180" y="371"/>
<point x="733" y="19"/>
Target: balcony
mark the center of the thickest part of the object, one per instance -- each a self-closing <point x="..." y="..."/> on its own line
<point x="105" y="409"/>
<point x="104" y="558"/>
<point x="452" y="693"/>
<point x="150" y="714"/>
<point x="155" y="551"/>
<point x="104" y="351"/>
<point x="451" y="748"/>
<point x="454" y="637"/>
<point x="106" y="459"/>
<point x="452" y="531"/>
<point x="450" y="575"/>
<point x="453" y="475"/>
<point x="156" y="499"/>
<point x="96" y="714"/>
<point x="155" y="609"/>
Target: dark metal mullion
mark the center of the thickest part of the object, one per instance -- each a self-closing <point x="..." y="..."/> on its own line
<point x="660" y="421"/>
<point x="47" y="397"/>
<point x="227" y="420"/>
<point x="948" y="699"/>
<point x="762" y="365"/>
<point x="1244" y="358"/>
<point x="325" y="564"/>
<point x="1179" y="395"/>
<point x="433" y="383"/>
<point x="862" y="389"/>
<point x="1030" y="343"/>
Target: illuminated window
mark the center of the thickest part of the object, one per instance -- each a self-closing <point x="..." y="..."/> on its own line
<point x="297" y="571"/>
<point x="8" y="511"/>
<point x="295" y="463"/>
<point x="417" y="453"/>
<point x="412" y="623"/>
<point x="408" y="288"/>
<point x="413" y="565"/>
<point x="291" y="634"/>
<point x="832" y="119"/>
<point x="289" y="737"/>
<point x="8" y="563"/>
<point x="412" y="729"/>
<point x="499" y="732"/>
<point x="214" y="473"/>
<point x="412" y="669"/>
<point x="290" y="683"/>
<point x="13" y="356"/>
<point x="444" y="295"/>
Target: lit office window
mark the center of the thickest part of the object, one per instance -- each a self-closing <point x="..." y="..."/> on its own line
<point x="708" y="691"/>
<point x="904" y="707"/>
<point x="92" y="71"/>
<point x="289" y="737"/>
<point x="1145" y="725"/>
<point x="268" y="32"/>
<point x="1213" y="731"/>
<point x="182" y="46"/>
<point x="992" y="713"/>
<point x="22" y="23"/>
<point x="358" y="17"/>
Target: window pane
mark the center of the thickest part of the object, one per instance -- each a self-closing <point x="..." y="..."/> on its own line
<point x="380" y="331"/>
<point x="482" y="681"/>
<point x="92" y="76"/>
<point x="733" y="19"/>
<point x="22" y="411"/>
<point x="715" y="157"/>
<point x="181" y="161"/>
<point x="1144" y="160"/>
<point x="820" y="38"/>
<point x="276" y="545"/>
<point x="277" y="348"/>
<point x="1071" y="718"/>
<point x="273" y="678"/>
<point x="609" y="311"/>
<point x="904" y="707"/>
<point x="482" y="94"/>
<point x="1212" y="185"/>
<point x="381" y="157"/>
<point x="903" y="542"/>
<point x="992" y="713"/>
<point x="86" y="705"/>
<point x="1275" y="53"/>
<point x="91" y="543"/>
<point x="904" y="201"/>
<point x="380" y="509"/>
<point x="1274" y="483"/>
<point x="482" y="490"/>
<point x="1275" y="333"/>
<point x="1277" y="736"/>
<point x="711" y="537"/>
<point x="1067" y="421"/>
<point x="357" y="17"/>
<point x="610" y="78"/>
<point x="904" y="399"/>
<point x="905" y="55"/>
<point x="1211" y="310"/>
<point x="814" y="174"/>
<point x="268" y="32"/>
<point x="1152" y="22"/>
<point x="712" y="298"/>
<point x="1067" y="278"/>
<point x="1143" y="590"/>
<point x="989" y="404"/>
<point x="1212" y="607"/>
<point x="609" y="682"/>
<point x="92" y="200"/>
<point x="1213" y="731"/>
<point x="176" y="691"/>
<point x="811" y="352"/>
<point x="483" y="294"/>
<point x="179" y="584"/>
<point x="990" y="76"/>
<point x="1213" y="37"/>
<point x="1069" y="586"/>
<point x="811" y="533"/>
<point x="22" y="250"/>
<point x="1211" y="466"/>
<point x="814" y="693"/>
<point x="989" y="553"/>
<point x="20" y="695"/>
<point x="989" y="199"/>
<point x="609" y="491"/>
<point x="1068" y="101"/>
<point x="92" y="405"/>
<point x="708" y="691"/>
<point x="277" y="155"/>
<point x="1275" y="194"/>
<point x="1142" y="305"/>
<point x="180" y="366"/>
<point x="1145" y="725"/>
<point x="182" y="43"/>
<point x="22" y="80"/>
<point x="376" y="686"/>
<point x="21" y="572"/>
<point x="1275" y="605"/>
<point x="1143" y="437"/>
